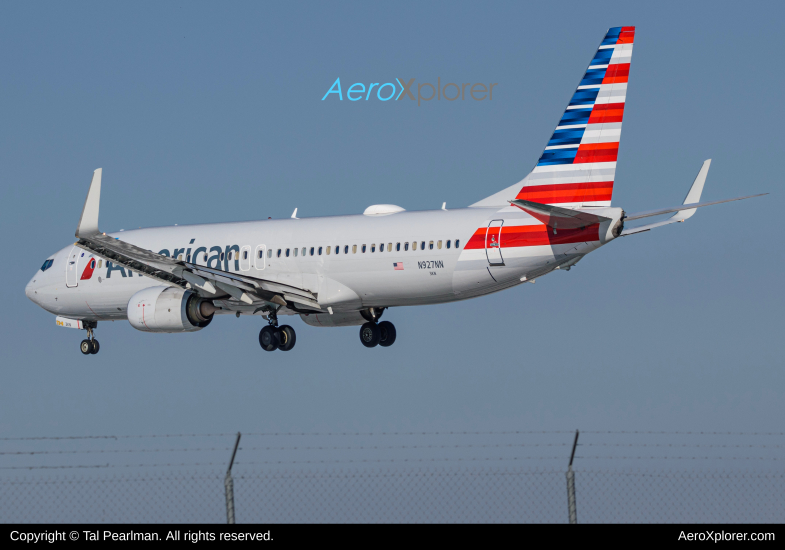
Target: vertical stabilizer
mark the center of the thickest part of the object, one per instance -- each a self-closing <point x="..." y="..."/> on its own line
<point x="578" y="166"/>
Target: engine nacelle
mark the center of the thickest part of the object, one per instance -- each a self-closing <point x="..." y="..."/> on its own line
<point x="350" y="319"/>
<point x="169" y="309"/>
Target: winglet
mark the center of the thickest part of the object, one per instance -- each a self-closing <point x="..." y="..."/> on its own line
<point x="694" y="194"/>
<point x="88" y="222"/>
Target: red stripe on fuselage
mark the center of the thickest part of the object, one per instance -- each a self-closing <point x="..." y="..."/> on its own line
<point x="568" y="192"/>
<point x="535" y="235"/>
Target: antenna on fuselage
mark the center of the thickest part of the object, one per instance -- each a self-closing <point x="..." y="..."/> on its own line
<point x="294" y="215"/>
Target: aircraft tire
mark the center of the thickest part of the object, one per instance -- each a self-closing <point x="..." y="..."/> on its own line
<point x="96" y="346"/>
<point x="269" y="338"/>
<point x="370" y="335"/>
<point x="86" y="347"/>
<point x="288" y="338"/>
<point x="387" y="334"/>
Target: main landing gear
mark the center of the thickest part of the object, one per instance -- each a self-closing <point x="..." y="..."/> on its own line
<point x="273" y="337"/>
<point x="90" y="345"/>
<point x="381" y="334"/>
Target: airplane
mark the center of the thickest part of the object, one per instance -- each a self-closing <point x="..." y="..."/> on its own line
<point x="342" y="271"/>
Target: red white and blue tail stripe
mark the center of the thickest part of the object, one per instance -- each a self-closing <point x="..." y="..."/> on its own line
<point x="578" y="166"/>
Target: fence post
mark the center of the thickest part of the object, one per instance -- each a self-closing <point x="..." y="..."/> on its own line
<point x="571" y="509"/>
<point x="229" y="485"/>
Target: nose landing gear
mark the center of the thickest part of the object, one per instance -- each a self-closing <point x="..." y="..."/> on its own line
<point x="90" y="345"/>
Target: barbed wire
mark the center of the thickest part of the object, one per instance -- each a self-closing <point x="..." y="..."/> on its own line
<point x="287" y="434"/>
<point x="681" y="433"/>
<point x="112" y="451"/>
<point x="307" y="448"/>
<point x="678" y="445"/>
<point x="678" y="457"/>
<point x="282" y="462"/>
<point x="105" y="466"/>
<point x="386" y="434"/>
<point x="393" y="447"/>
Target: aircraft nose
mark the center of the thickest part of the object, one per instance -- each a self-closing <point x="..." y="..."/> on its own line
<point x="31" y="290"/>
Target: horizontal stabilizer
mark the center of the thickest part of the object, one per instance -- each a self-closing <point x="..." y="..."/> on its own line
<point x="558" y="217"/>
<point x="683" y="212"/>
<point x="649" y="213"/>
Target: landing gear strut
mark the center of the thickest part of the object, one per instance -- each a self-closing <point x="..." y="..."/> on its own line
<point x="273" y="337"/>
<point x="90" y="345"/>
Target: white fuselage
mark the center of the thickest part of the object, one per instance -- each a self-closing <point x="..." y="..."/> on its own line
<point x="348" y="262"/>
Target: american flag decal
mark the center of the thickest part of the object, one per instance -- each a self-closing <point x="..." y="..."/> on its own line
<point x="398" y="266"/>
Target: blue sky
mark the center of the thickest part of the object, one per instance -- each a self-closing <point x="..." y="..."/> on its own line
<point x="202" y="112"/>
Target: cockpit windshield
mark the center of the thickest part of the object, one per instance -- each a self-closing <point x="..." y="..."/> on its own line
<point x="47" y="264"/>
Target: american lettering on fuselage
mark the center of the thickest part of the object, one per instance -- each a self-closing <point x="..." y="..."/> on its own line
<point x="348" y="270"/>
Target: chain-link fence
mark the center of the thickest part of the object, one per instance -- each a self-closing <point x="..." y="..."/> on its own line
<point x="493" y="495"/>
<point x="407" y="477"/>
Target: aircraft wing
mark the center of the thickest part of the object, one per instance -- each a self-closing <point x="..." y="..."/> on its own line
<point x="209" y="281"/>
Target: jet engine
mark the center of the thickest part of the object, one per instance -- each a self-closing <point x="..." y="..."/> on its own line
<point x="169" y="309"/>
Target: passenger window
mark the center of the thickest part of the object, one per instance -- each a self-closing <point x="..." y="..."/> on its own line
<point x="221" y="257"/>
<point x="100" y="263"/>
<point x="422" y="245"/>
<point x="346" y="249"/>
<point x="303" y="251"/>
<point x="320" y="251"/>
<point x="389" y="247"/>
<point x="448" y="244"/>
<point x="457" y="243"/>
<point x="414" y="245"/>
<point x="279" y="252"/>
<point x="295" y="252"/>
<point x="354" y="249"/>
<point x="406" y="246"/>
<point x="363" y="249"/>
<point x="373" y="247"/>
<point x="439" y="245"/>
<point x="430" y="245"/>
<point x="287" y="252"/>
<point x="381" y="247"/>
<point x="328" y="250"/>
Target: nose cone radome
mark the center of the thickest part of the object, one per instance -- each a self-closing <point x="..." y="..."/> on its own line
<point x="31" y="289"/>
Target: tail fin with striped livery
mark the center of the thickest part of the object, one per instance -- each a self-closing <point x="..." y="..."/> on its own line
<point x="578" y="166"/>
